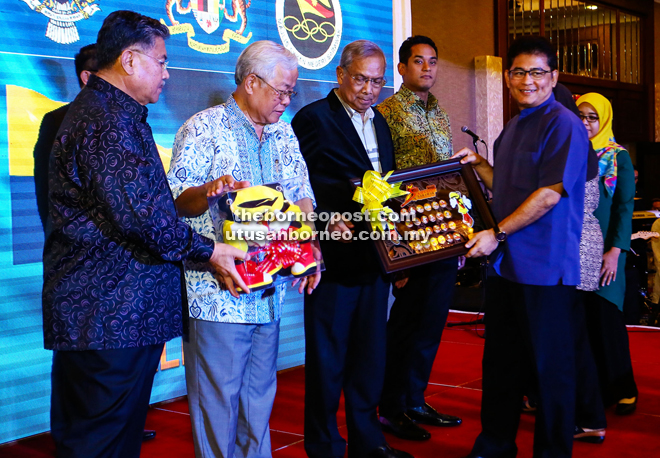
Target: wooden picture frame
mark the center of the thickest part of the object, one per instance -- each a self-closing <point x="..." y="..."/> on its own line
<point x="432" y="185"/>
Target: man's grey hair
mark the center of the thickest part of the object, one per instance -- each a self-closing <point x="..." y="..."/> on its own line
<point x="261" y="58"/>
<point x="360" y="49"/>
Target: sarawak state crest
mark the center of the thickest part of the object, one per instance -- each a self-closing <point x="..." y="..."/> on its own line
<point x="209" y="14"/>
<point x="311" y="29"/>
<point x="63" y="15"/>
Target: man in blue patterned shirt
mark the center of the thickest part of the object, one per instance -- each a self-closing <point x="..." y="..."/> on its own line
<point x="112" y="260"/>
<point x="232" y="353"/>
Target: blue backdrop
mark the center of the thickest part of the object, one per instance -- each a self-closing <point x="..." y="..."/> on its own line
<point x="37" y="43"/>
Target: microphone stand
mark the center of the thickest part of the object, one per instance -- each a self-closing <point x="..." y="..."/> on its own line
<point x="483" y="266"/>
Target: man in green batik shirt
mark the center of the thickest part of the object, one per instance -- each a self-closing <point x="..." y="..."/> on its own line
<point x="419" y="126"/>
<point x="421" y="135"/>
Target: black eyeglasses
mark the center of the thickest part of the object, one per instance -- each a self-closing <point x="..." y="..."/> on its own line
<point x="590" y="118"/>
<point x="281" y="94"/>
<point x="163" y="63"/>
<point x="361" y="80"/>
<point x="535" y="73"/>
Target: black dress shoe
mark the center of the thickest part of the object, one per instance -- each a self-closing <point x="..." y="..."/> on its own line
<point x="148" y="434"/>
<point x="427" y="415"/>
<point x="627" y="407"/>
<point x="403" y="427"/>
<point x="592" y="436"/>
<point x="385" y="451"/>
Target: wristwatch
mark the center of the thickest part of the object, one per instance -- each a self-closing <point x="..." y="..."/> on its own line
<point x="500" y="235"/>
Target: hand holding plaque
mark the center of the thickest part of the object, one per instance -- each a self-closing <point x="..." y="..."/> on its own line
<point x="427" y="214"/>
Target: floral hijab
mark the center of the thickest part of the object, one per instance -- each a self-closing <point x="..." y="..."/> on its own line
<point x="603" y="142"/>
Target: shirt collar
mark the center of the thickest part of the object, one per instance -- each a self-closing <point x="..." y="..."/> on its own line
<point x="351" y="112"/>
<point x="528" y="111"/>
<point x="408" y="98"/>
<point x="239" y="119"/>
<point x="119" y="97"/>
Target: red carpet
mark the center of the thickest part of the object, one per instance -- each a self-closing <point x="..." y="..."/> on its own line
<point x="455" y="389"/>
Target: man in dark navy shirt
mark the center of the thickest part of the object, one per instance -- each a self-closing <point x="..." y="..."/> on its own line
<point x="112" y="260"/>
<point x="85" y="65"/>
<point x="85" y="62"/>
<point x="538" y="180"/>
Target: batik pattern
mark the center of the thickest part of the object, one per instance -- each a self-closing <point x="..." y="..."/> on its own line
<point x="113" y="252"/>
<point x="221" y="141"/>
<point x="420" y="132"/>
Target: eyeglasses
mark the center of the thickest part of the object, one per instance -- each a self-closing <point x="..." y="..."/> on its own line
<point x="590" y="118"/>
<point x="535" y="73"/>
<point x="281" y="94"/>
<point x="361" y="80"/>
<point x="163" y="63"/>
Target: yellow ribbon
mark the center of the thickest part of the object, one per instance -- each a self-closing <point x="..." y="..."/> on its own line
<point x="374" y="191"/>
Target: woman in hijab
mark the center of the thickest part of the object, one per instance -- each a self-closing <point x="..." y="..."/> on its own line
<point x="591" y="242"/>
<point x="589" y="411"/>
<point x="616" y="183"/>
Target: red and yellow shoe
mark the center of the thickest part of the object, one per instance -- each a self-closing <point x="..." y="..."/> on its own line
<point x="254" y="279"/>
<point x="305" y="263"/>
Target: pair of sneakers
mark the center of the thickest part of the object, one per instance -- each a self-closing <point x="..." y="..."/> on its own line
<point x="256" y="277"/>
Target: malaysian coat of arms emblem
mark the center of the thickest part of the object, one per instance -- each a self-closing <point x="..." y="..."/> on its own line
<point x="63" y="15"/>
<point x="209" y="14"/>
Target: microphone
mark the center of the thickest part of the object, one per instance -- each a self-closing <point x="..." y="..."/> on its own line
<point x="474" y="136"/>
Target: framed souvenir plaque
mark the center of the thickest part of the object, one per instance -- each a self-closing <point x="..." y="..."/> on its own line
<point x="441" y="210"/>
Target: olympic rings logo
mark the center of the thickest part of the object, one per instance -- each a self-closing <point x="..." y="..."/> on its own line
<point x="309" y="28"/>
